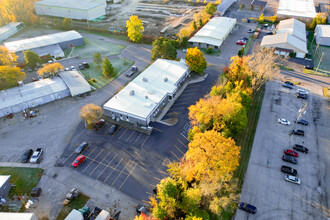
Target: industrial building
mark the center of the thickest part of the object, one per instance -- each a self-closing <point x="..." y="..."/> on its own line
<point x="41" y="92"/>
<point x="296" y="9"/>
<point x="213" y="33"/>
<point x="290" y="37"/>
<point x="224" y="5"/>
<point x="9" y="30"/>
<point x="253" y="5"/>
<point x="322" y="34"/>
<point x="5" y="185"/>
<point x="52" y="44"/>
<point x="141" y="100"/>
<point x="83" y="9"/>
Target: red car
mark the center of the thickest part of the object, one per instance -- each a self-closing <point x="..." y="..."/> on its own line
<point x="240" y="42"/>
<point x="99" y="124"/>
<point x="78" y="160"/>
<point x="291" y="153"/>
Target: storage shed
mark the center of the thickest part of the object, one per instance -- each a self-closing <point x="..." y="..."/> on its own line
<point x="75" y="82"/>
<point x="82" y="9"/>
<point x="10" y="29"/>
<point x="322" y="34"/>
<point x="213" y="33"/>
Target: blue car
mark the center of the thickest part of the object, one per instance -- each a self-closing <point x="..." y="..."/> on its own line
<point x="247" y="207"/>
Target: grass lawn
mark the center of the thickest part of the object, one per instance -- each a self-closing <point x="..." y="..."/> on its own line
<point x="214" y="52"/>
<point x="94" y="73"/>
<point x="92" y="46"/>
<point x="109" y="34"/>
<point x="248" y="44"/>
<point x="76" y="203"/>
<point x="319" y="72"/>
<point x="23" y="178"/>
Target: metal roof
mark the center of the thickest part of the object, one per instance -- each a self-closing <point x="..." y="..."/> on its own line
<point x="46" y="40"/>
<point x="298" y="8"/>
<point x="51" y="49"/>
<point x="4" y="179"/>
<point x="286" y="41"/>
<point x="323" y="30"/>
<point x="215" y="31"/>
<point x="292" y="26"/>
<point x="72" y="4"/>
<point x="76" y="83"/>
<point x="142" y="95"/>
<point x="9" y="26"/>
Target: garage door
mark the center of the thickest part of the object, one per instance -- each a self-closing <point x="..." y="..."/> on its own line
<point x="300" y="55"/>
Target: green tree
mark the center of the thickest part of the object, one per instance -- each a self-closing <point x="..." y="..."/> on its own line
<point x="210" y="8"/>
<point x="194" y="25"/>
<point x="31" y="58"/>
<point x="163" y="48"/>
<point x="134" y="28"/>
<point x="261" y="18"/>
<point x="55" y="22"/>
<point x="196" y="60"/>
<point x="66" y="23"/>
<point x="97" y="58"/>
<point x="108" y="69"/>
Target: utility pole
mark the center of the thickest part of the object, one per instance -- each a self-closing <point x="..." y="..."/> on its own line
<point x="320" y="61"/>
<point x="301" y="112"/>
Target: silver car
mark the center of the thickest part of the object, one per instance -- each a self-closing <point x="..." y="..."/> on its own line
<point x="292" y="179"/>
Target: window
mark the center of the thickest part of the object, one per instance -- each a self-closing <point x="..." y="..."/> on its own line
<point x="121" y="116"/>
<point x="216" y="47"/>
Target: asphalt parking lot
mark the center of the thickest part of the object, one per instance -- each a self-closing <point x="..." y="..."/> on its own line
<point x="129" y="160"/>
<point x="264" y="184"/>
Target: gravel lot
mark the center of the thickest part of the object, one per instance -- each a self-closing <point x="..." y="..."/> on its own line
<point x="264" y="184"/>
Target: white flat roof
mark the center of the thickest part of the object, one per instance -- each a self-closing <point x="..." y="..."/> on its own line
<point x="3" y="179"/>
<point x="76" y="83"/>
<point x="74" y="4"/>
<point x="9" y="26"/>
<point x="46" y="40"/>
<point x="323" y="30"/>
<point x="294" y="27"/>
<point x="298" y="8"/>
<point x="158" y="80"/>
<point x="215" y="31"/>
<point x="17" y="216"/>
<point x="286" y="41"/>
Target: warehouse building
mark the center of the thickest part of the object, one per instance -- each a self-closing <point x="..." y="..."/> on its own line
<point x="290" y="37"/>
<point x="224" y="5"/>
<point x="41" y="92"/>
<point x="52" y="44"/>
<point x="322" y="34"/>
<point x="5" y="185"/>
<point x="213" y="33"/>
<point x="304" y="9"/>
<point x="141" y="101"/>
<point x="9" y="30"/>
<point x="83" y="9"/>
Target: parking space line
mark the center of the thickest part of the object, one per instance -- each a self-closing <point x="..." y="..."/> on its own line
<point x="171" y="112"/>
<point x="99" y="164"/>
<point x="137" y="138"/>
<point x="184" y="137"/>
<point x="89" y="158"/>
<point x="178" y="148"/>
<point x="182" y="143"/>
<point x="116" y="131"/>
<point x="179" y="99"/>
<point x="145" y="141"/>
<point x="120" y="172"/>
<point x="107" y="166"/>
<point x="177" y="108"/>
<point x="158" y="130"/>
<point x="175" y="156"/>
<point x="183" y="103"/>
<point x="108" y="130"/>
<point x="91" y="152"/>
<point x="194" y="85"/>
<point x="128" y="175"/>
<point x="123" y="133"/>
<point x="185" y="94"/>
<point x="68" y="157"/>
<point x="113" y="170"/>
<point x="162" y="172"/>
<point x="130" y="136"/>
<point x="150" y="193"/>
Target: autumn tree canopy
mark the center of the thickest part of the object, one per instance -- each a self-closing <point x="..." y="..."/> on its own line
<point x="90" y="113"/>
<point x="17" y="10"/>
<point x="196" y="60"/>
<point x="6" y="57"/>
<point x="51" y="69"/>
<point x="134" y="28"/>
<point x="163" y="48"/>
<point x="210" y="8"/>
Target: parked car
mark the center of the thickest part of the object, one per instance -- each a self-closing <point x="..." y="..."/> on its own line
<point x="80" y="66"/>
<point x="298" y="132"/>
<point x="99" y="124"/>
<point x="26" y="156"/>
<point x="66" y="69"/>
<point x="85" y="64"/>
<point x="289" y="170"/>
<point x="251" y="30"/>
<point x="288" y="82"/>
<point x="302" y="91"/>
<point x="35" y="68"/>
<point x="289" y="159"/>
<point x="300" y="148"/>
<point x="287" y="85"/>
<point x="73" y="68"/>
<point x="143" y="211"/>
<point x="309" y="66"/>
<point x="35" y="79"/>
<point x="269" y="33"/>
<point x="29" y="69"/>
<point x="292" y="179"/>
<point x="302" y="96"/>
<point x="81" y="147"/>
<point x="247" y="207"/>
<point x="133" y="70"/>
<point x="113" y="129"/>
<point x="78" y="161"/>
<point x="291" y="153"/>
<point x="36" y="156"/>
<point x="301" y="121"/>
<point x="244" y="38"/>
<point x="50" y="61"/>
<point x="283" y="121"/>
<point x="241" y="42"/>
<point x="35" y="192"/>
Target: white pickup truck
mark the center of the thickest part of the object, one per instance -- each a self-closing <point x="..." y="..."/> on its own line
<point x="36" y="156"/>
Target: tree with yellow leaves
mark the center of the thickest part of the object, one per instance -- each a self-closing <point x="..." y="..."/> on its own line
<point x="17" y="10"/>
<point x="202" y="17"/>
<point x="210" y="8"/>
<point x="6" y="57"/>
<point x="90" y="113"/>
<point x="51" y="69"/>
<point x="196" y="60"/>
<point x="134" y="28"/>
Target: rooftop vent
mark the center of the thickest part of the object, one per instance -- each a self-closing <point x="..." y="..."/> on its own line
<point x="146" y="97"/>
<point x="144" y="79"/>
<point x="131" y="92"/>
<point x="165" y="79"/>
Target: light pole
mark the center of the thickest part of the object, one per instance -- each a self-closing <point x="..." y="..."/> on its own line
<point x="301" y="112"/>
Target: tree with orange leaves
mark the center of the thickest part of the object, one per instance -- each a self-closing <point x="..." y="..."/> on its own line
<point x="90" y="113"/>
<point x="196" y="60"/>
<point x="51" y="69"/>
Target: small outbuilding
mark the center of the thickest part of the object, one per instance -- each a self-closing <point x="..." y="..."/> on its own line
<point x="9" y="30"/>
<point x="322" y="34"/>
<point x="5" y="185"/>
<point x="253" y="5"/>
<point x="213" y="33"/>
<point x="82" y="9"/>
<point x="75" y="82"/>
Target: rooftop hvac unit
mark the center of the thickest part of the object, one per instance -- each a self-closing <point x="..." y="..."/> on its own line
<point x="146" y="97"/>
<point x="165" y="79"/>
<point x="131" y="92"/>
<point x="144" y="79"/>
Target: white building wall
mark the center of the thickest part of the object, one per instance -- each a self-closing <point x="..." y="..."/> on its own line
<point x="96" y="12"/>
